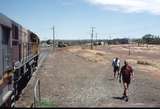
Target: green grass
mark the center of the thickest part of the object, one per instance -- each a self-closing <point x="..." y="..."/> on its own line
<point x="46" y="103"/>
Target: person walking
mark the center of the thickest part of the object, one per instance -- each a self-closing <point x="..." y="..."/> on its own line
<point x="126" y="74"/>
<point x="116" y="66"/>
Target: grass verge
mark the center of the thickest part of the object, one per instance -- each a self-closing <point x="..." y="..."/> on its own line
<point x="46" y="103"/>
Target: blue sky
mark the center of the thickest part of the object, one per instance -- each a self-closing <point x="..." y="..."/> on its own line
<point x="73" y="19"/>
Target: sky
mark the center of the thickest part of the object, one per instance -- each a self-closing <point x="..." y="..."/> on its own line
<point x="73" y="19"/>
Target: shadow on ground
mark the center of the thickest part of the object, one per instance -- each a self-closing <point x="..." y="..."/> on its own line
<point x="111" y="79"/>
<point x="118" y="98"/>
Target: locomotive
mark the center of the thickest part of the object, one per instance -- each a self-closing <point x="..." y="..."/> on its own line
<point x="19" y="52"/>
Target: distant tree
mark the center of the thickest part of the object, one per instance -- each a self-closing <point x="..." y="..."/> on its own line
<point x="43" y="41"/>
<point x="49" y="42"/>
<point x="147" y="39"/>
<point x="151" y="39"/>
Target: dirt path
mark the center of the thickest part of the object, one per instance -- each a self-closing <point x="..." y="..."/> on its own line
<point x="69" y="80"/>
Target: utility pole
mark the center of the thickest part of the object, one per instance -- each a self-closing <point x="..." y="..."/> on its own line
<point x="129" y="51"/>
<point x="96" y="39"/>
<point x="92" y="37"/>
<point x="53" y="38"/>
<point x="109" y="41"/>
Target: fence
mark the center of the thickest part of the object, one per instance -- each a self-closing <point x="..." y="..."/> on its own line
<point x="36" y="94"/>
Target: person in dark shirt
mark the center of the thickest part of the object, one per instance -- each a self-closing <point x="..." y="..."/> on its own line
<point x="126" y="73"/>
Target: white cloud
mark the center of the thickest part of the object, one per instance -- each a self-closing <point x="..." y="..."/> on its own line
<point x="129" y="6"/>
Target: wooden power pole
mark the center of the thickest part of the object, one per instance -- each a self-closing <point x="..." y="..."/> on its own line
<point x="53" y="38"/>
<point x="92" y="37"/>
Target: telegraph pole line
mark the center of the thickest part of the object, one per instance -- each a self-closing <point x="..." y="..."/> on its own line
<point x="129" y="49"/>
<point x="92" y="37"/>
<point x="110" y="38"/>
<point x="96" y="39"/>
<point x="53" y="38"/>
<point x="109" y="41"/>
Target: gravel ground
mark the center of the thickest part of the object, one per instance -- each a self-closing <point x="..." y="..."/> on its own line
<point x="69" y="80"/>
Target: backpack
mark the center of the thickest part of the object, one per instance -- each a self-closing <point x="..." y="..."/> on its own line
<point x="115" y="63"/>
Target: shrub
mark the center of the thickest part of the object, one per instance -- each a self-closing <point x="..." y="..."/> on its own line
<point x="143" y="62"/>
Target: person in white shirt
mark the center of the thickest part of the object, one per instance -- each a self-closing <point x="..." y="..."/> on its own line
<point x="116" y="66"/>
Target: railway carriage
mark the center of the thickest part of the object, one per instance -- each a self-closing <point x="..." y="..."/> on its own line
<point x="18" y="59"/>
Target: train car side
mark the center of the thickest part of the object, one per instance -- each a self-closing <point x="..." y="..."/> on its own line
<point x="18" y="59"/>
<point x="6" y="68"/>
